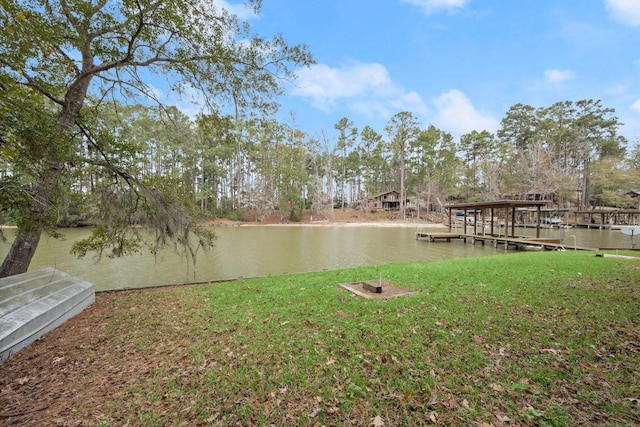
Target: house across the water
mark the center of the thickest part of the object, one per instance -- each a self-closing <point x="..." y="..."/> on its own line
<point x="389" y="200"/>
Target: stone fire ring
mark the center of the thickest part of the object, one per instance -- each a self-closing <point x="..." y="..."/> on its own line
<point x="367" y="289"/>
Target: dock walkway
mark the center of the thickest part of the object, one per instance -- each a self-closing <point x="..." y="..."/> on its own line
<point x="497" y="241"/>
<point x="501" y="218"/>
<point x="432" y="237"/>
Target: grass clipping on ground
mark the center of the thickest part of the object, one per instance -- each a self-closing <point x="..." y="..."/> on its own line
<point x="520" y="339"/>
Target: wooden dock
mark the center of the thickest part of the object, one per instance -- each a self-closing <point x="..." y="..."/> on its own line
<point x="433" y="237"/>
<point x="500" y="241"/>
<point x="501" y="217"/>
<point x="515" y="242"/>
<point x="597" y="226"/>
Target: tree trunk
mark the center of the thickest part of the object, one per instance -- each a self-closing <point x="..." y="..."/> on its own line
<point x="584" y="186"/>
<point x="28" y="235"/>
<point x="19" y="257"/>
<point x="402" y="192"/>
<point x="44" y="193"/>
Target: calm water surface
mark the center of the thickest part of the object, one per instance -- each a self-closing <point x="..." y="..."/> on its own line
<point x="249" y="251"/>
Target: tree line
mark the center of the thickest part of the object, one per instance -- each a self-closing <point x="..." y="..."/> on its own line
<point x="226" y="165"/>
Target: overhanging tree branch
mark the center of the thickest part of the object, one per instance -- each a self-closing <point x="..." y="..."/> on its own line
<point x="62" y="49"/>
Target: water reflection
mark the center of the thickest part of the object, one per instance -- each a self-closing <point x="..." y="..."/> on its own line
<point x="250" y="251"/>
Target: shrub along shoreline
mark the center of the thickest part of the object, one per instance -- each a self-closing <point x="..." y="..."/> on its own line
<point x="533" y="338"/>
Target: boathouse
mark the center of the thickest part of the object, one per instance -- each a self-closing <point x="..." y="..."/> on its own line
<point x="606" y="218"/>
<point x="499" y="214"/>
<point x="495" y="222"/>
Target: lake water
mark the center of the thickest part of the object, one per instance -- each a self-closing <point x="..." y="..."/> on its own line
<point x="250" y="251"/>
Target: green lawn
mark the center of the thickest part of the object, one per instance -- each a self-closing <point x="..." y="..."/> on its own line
<point x="542" y="338"/>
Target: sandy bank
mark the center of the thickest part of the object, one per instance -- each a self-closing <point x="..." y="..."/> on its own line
<point x="405" y="224"/>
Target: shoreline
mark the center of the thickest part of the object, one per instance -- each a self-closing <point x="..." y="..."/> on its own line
<point x="400" y="224"/>
<point x="378" y="224"/>
<point x="374" y="224"/>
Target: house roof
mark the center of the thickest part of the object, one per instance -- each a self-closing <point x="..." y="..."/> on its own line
<point x="386" y="192"/>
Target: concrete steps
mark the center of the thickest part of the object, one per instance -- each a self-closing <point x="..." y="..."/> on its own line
<point x="36" y="302"/>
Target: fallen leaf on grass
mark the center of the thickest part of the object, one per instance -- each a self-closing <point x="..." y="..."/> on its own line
<point x="496" y="387"/>
<point x="502" y="418"/>
<point x="315" y="412"/>
<point x="330" y="361"/>
<point x="465" y="404"/>
<point x="432" y="417"/>
<point x="377" y="421"/>
<point x="433" y="400"/>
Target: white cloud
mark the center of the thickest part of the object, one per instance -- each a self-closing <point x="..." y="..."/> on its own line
<point x="558" y="76"/>
<point x="457" y="115"/>
<point x="631" y="119"/>
<point x="240" y="9"/>
<point x="324" y="85"/>
<point x="363" y="87"/>
<point x="626" y="12"/>
<point x="432" y="6"/>
<point x="616" y="89"/>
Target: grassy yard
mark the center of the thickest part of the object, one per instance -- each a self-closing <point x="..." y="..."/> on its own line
<point x="543" y="338"/>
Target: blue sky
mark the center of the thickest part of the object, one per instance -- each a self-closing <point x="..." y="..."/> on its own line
<point x="456" y="64"/>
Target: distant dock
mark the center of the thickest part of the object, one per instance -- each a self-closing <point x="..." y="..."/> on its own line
<point x="434" y="237"/>
<point x="499" y="241"/>
<point x="495" y="223"/>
